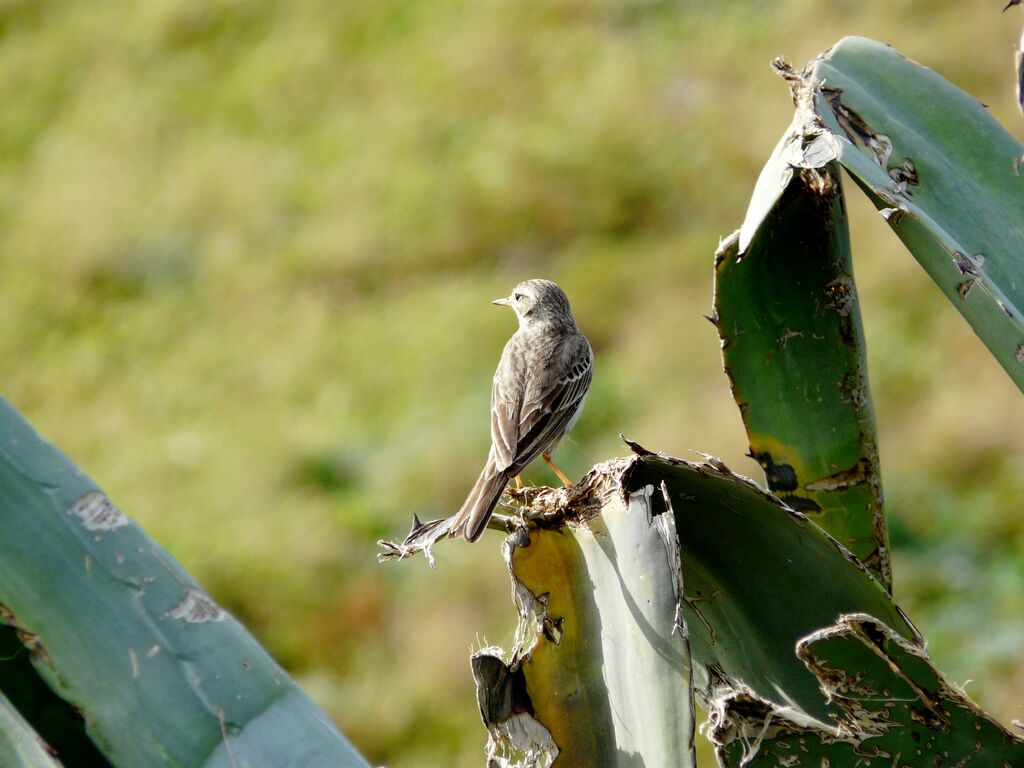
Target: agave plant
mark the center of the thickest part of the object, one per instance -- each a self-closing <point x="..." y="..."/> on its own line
<point x="111" y="655"/>
<point x="656" y="582"/>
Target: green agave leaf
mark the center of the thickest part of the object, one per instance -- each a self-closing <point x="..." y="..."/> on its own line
<point x="757" y="577"/>
<point x="161" y="674"/>
<point x="895" y="708"/>
<point x="20" y="746"/>
<point x="655" y="579"/>
<point x="600" y="672"/>
<point x="947" y="178"/>
<point x="601" y="608"/>
<point x="944" y="173"/>
<point x="793" y="346"/>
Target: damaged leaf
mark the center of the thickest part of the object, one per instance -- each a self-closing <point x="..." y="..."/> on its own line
<point x="599" y="674"/>
<point x="953" y="174"/>
<point x="793" y="348"/>
<point x="894" y="707"/>
<point x="655" y="559"/>
<point x="655" y="579"/>
<point x="161" y="675"/>
<point x="757" y="577"/>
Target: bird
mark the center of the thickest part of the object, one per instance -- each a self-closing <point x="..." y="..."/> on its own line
<point x="537" y="395"/>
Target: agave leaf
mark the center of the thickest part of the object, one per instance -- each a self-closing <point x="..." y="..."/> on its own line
<point x="600" y="637"/>
<point x="757" y="577"/>
<point x="161" y="674"/>
<point x="769" y="602"/>
<point x="895" y="707"/>
<point x="948" y="178"/>
<point x="793" y="346"/>
<point x="600" y="671"/>
<point x="655" y="579"/>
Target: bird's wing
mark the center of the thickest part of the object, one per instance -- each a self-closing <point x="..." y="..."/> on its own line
<point x="548" y="410"/>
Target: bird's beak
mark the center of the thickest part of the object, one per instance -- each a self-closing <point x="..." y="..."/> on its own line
<point x="506" y="302"/>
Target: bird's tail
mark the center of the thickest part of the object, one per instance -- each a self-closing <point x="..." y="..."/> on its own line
<point x="478" y="507"/>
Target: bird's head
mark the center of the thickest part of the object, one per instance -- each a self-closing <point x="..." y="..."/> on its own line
<point x="539" y="302"/>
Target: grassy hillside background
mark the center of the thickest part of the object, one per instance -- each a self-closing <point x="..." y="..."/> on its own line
<point x="246" y="255"/>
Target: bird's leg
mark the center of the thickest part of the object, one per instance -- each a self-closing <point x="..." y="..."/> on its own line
<point x="519" y="482"/>
<point x="561" y="475"/>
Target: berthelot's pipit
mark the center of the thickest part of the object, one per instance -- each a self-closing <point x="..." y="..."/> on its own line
<point x="538" y="393"/>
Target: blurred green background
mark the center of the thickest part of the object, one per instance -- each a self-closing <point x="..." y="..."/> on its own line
<point x="247" y="252"/>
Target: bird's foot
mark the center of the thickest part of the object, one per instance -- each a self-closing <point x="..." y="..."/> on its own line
<point x="561" y="475"/>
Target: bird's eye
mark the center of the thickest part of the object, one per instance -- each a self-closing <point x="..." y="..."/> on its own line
<point x="517" y="296"/>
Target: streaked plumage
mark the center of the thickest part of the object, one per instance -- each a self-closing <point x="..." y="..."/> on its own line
<point x="538" y="392"/>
